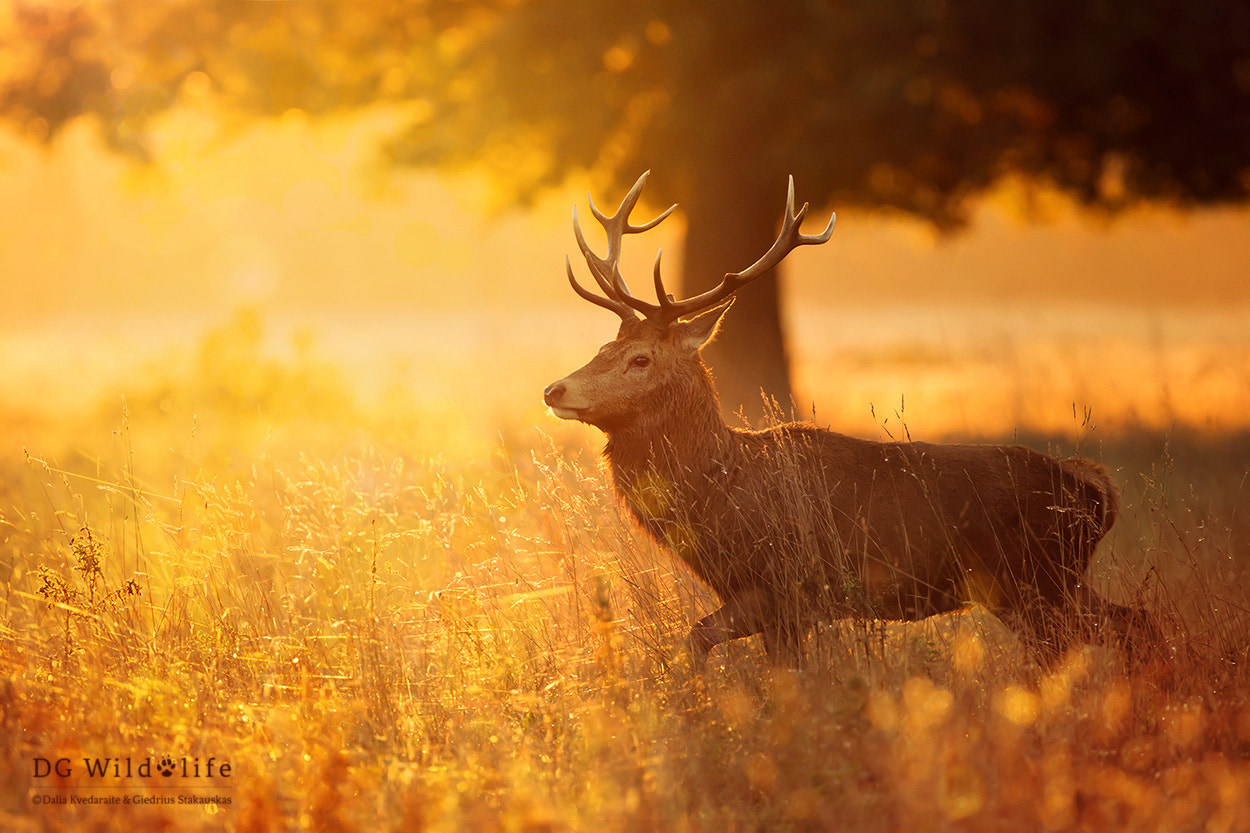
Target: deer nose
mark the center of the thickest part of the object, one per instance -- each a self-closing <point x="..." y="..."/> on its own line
<point x="554" y="393"/>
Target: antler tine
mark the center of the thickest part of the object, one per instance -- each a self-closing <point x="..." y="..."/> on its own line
<point x="661" y="293"/>
<point x="607" y="303"/>
<point x="606" y="270"/>
<point x="599" y="266"/>
<point x="621" y="217"/>
<point x="788" y="239"/>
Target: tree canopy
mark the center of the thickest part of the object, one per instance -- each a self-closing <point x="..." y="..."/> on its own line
<point x="914" y="105"/>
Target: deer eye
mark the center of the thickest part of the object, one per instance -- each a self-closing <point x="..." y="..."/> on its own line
<point x="640" y="361"/>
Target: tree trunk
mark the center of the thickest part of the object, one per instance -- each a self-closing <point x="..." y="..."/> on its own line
<point x="733" y="216"/>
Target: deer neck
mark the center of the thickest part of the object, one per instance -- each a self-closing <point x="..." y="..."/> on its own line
<point x="677" y="438"/>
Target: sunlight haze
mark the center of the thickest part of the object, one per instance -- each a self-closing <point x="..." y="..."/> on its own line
<point x="291" y="216"/>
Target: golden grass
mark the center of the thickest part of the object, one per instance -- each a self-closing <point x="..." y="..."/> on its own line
<point x="246" y="560"/>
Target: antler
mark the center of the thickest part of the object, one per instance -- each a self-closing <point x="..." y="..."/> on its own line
<point x="607" y="270"/>
<point x="607" y="273"/>
<point x="787" y="240"/>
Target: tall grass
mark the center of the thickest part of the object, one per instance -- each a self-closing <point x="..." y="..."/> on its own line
<point x="245" y="561"/>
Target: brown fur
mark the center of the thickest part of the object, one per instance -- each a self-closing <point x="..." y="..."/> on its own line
<point x="797" y="524"/>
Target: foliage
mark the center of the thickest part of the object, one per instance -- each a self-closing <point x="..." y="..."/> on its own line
<point x="913" y="104"/>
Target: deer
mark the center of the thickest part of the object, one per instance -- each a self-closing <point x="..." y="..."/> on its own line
<point x="793" y="524"/>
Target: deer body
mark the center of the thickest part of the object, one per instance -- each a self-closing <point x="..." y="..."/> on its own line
<point x="797" y="524"/>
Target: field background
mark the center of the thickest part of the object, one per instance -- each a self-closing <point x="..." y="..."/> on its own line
<point x="359" y="561"/>
<point x="277" y="486"/>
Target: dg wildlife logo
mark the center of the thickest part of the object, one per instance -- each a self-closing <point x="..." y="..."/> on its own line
<point x="184" y="768"/>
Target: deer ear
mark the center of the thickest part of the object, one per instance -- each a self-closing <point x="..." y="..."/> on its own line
<point x="701" y="329"/>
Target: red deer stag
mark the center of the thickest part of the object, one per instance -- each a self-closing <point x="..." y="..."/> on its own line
<point x="797" y="524"/>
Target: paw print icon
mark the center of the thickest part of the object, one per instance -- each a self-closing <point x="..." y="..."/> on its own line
<point x="165" y="766"/>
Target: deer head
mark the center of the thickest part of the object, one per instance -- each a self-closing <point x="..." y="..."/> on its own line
<point x="657" y="344"/>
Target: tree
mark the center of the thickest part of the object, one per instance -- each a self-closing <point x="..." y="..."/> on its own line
<point x="915" y="105"/>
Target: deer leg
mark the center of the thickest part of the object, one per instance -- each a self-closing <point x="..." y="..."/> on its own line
<point x="1051" y="626"/>
<point x="783" y="641"/>
<point x="1135" y="629"/>
<point x="1046" y="629"/>
<point x="740" y="616"/>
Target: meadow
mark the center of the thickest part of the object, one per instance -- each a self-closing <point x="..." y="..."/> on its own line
<point x="394" y="594"/>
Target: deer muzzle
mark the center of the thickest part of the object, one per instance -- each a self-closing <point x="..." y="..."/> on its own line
<point x="554" y="395"/>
